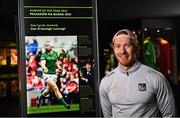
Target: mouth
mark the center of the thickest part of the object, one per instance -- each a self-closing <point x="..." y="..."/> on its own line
<point x="124" y="56"/>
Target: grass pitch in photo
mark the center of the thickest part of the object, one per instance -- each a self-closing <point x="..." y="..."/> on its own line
<point x="52" y="108"/>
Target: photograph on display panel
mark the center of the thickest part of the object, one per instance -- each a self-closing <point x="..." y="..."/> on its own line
<point x="52" y="82"/>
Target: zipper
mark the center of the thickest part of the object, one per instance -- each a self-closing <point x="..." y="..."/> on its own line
<point x="127" y="74"/>
<point x="128" y="89"/>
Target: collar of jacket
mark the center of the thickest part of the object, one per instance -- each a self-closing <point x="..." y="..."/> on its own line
<point x="134" y="68"/>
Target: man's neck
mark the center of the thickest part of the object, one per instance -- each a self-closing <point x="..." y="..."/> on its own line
<point x="126" y="67"/>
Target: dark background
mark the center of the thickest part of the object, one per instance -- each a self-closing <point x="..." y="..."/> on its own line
<point x="112" y="16"/>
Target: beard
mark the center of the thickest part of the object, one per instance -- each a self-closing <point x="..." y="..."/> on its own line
<point x="125" y="62"/>
<point x="128" y="62"/>
<point x="48" y="51"/>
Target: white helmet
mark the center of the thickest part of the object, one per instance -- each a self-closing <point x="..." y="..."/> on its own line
<point x="49" y="44"/>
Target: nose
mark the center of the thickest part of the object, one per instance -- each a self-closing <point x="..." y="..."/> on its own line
<point x="122" y="49"/>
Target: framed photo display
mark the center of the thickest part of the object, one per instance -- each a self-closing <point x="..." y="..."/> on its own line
<point x="59" y="64"/>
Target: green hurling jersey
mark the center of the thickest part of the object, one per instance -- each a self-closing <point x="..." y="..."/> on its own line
<point x="51" y="60"/>
<point x="149" y="56"/>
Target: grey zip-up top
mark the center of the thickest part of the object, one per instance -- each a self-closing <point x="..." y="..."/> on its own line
<point x="138" y="92"/>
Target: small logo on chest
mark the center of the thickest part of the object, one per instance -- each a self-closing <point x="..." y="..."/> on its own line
<point x="142" y="86"/>
<point x="115" y="88"/>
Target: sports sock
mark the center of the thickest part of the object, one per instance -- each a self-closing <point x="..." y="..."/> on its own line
<point x="63" y="102"/>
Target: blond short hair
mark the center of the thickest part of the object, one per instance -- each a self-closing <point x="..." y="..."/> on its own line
<point x="132" y="36"/>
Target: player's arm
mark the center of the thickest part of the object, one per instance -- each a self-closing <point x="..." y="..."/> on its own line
<point x="43" y="65"/>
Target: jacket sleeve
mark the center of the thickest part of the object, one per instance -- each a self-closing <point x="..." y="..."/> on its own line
<point x="165" y="98"/>
<point x="104" y="99"/>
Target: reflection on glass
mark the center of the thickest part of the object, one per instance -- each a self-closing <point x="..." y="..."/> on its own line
<point x="3" y="60"/>
<point x="14" y="88"/>
<point x="13" y="58"/>
<point x="3" y="89"/>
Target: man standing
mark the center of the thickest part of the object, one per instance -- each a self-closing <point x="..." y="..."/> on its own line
<point x="133" y="89"/>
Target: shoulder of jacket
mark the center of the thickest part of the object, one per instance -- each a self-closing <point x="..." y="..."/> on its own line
<point x="152" y="71"/>
<point x="110" y="73"/>
<point x="153" y="74"/>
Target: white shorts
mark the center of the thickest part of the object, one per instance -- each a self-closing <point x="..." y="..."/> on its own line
<point x="48" y="77"/>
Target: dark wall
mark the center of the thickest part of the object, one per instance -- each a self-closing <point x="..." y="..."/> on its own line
<point x="122" y="9"/>
<point x="8" y="14"/>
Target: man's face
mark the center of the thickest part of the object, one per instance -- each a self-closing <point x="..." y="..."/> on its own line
<point x="124" y="51"/>
<point x="48" y="47"/>
<point x="88" y="66"/>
